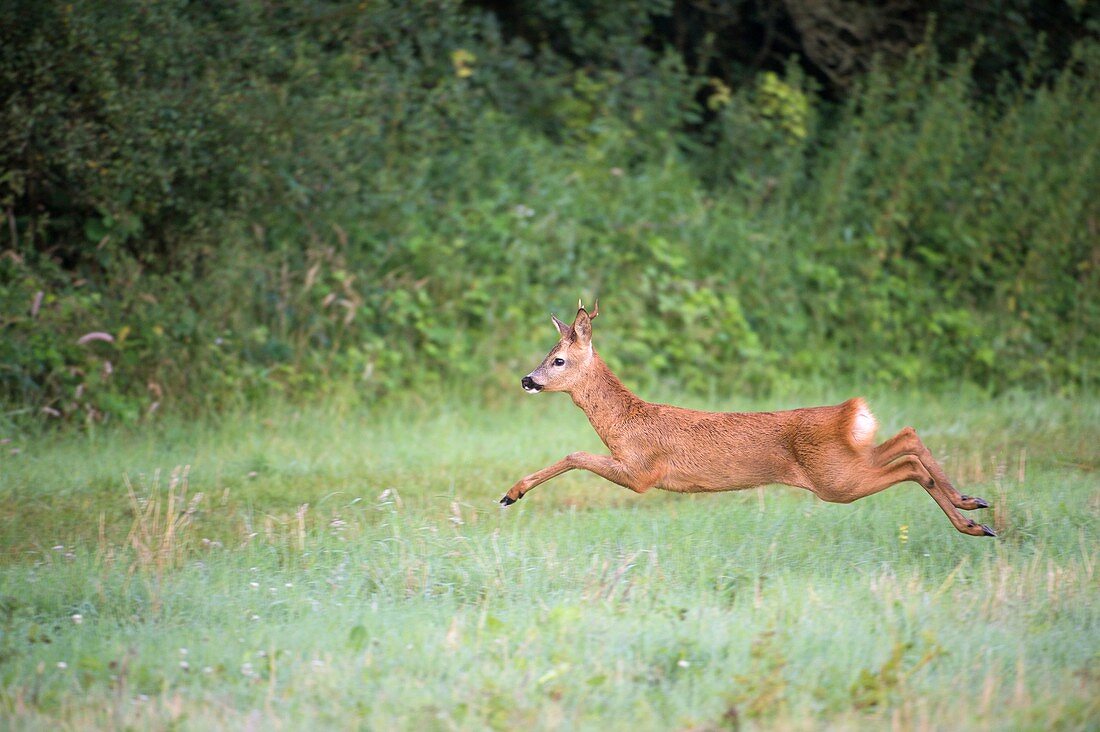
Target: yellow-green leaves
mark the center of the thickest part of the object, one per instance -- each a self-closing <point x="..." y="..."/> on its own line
<point x="783" y="105"/>
<point x="463" y="62"/>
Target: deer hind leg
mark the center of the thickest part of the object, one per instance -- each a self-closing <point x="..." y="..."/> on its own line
<point x="903" y="468"/>
<point x="906" y="442"/>
<point x="604" y="466"/>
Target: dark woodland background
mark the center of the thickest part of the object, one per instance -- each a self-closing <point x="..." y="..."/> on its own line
<point x="257" y="199"/>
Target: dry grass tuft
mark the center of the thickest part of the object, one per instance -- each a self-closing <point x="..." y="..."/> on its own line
<point x="160" y="534"/>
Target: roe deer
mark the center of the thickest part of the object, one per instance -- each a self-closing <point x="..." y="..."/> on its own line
<point x="827" y="450"/>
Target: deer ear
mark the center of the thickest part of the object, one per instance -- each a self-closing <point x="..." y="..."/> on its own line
<point x="582" y="326"/>
<point x="564" y="329"/>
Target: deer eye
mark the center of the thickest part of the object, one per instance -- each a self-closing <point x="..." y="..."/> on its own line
<point x="559" y="361"/>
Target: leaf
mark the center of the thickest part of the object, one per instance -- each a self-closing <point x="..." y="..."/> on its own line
<point x="357" y="638"/>
<point x="94" y="230"/>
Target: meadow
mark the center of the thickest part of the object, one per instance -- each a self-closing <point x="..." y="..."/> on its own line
<point x="343" y="566"/>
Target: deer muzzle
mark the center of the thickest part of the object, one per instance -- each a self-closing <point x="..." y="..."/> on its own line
<point x="530" y="386"/>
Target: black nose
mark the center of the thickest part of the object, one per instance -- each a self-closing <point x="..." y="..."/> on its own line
<point x="527" y="382"/>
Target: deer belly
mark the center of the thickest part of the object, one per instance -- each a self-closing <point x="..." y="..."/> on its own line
<point x="729" y="476"/>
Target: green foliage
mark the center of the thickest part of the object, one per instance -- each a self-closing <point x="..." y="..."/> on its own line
<point x="763" y="686"/>
<point x="881" y="686"/>
<point x="985" y="201"/>
<point x="259" y="200"/>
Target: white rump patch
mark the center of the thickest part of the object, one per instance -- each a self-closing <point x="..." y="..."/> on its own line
<point x="864" y="425"/>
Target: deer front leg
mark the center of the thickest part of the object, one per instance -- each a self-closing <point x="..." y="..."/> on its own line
<point x="604" y="466"/>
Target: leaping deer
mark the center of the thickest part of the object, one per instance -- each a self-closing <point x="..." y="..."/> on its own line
<point x="827" y="450"/>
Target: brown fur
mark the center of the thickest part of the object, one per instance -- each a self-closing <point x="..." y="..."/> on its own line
<point x="827" y="450"/>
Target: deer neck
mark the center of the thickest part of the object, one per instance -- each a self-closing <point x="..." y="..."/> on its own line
<point x="604" y="399"/>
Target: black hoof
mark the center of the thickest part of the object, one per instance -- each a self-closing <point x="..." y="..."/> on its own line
<point x="978" y="502"/>
<point x="506" y="501"/>
<point x="988" y="531"/>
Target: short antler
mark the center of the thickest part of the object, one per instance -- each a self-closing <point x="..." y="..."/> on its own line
<point x="595" y="308"/>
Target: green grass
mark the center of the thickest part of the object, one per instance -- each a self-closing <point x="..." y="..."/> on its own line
<point x="349" y="567"/>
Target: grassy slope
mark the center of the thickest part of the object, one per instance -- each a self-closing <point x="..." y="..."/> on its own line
<point x="403" y="596"/>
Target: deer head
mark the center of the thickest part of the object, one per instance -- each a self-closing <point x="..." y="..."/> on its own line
<point x="567" y="362"/>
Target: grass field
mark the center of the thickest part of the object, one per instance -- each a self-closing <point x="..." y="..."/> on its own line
<point x="350" y="568"/>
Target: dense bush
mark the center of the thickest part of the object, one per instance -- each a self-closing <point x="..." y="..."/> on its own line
<point x="262" y="198"/>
